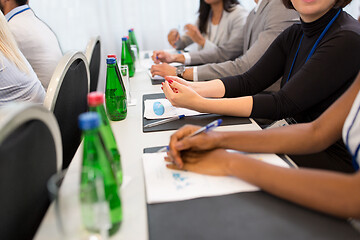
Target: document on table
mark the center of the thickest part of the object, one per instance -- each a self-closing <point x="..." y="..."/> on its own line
<point x="168" y="110"/>
<point x="165" y="185"/>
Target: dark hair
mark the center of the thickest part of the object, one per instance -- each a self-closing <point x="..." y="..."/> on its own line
<point x="338" y="3"/>
<point x="204" y="11"/>
<point x="21" y="2"/>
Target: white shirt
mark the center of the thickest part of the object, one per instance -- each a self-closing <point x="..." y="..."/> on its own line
<point x="351" y="130"/>
<point x="16" y="85"/>
<point x="36" y="41"/>
<point x="353" y="9"/>
<point x="257" y="6"/>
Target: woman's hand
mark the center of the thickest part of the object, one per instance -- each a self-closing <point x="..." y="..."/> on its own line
<point x="180" y="141"/>
<point x="215" y="162"/>
<point x="173" y="37"/>
<point x="194" y="33"/>
<point x="180" y="93"/>
<point x="162" y="56"/>
<point x="163" y="70"/>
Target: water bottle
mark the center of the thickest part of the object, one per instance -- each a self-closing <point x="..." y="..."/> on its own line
<point x="94" y="157"/>
<point x="132" y="39"/>
<point x="126" y="58"/>
<point x="115" y="94"/>
<point x="96" y="104"/>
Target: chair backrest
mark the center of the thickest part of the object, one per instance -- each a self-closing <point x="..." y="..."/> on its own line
<point x="30" y="152"/>
<point x="93" y="55"/>
<point x="66" y="97"/>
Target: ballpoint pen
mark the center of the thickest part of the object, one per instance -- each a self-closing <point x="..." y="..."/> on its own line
<point x="164" y="121"/>
<point x="206" y="128"/>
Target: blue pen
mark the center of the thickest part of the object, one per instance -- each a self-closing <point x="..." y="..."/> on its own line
<point x="206" y="128"/>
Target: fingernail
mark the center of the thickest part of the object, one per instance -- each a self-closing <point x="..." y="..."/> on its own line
<point x="178" y="145"/>
<point x="162" y="83"/>
<point x="162" y="88"/>
<point x="176" y="91"/>
<point x="170" y="81"/>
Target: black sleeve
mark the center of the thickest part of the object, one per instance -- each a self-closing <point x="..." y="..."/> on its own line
<point x="263" y="74"/>
<point x="334" y="64"/>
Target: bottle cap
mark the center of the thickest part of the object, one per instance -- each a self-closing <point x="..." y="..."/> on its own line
<point x="124" y="38"/>
<point x="112" y="56"/>
<point x="110" y="60"/>
<point x="131" y="30"/>
<point x="89" y="120"/>
<point x="95" y="99"/>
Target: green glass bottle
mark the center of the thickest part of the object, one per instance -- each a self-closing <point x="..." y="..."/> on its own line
<point x="94" y="157"/>
<point x="115" y="94"/>
<point x="118" y="70"/>
<point x="133" y="41"/>
<point x="96" y="104"/>
<point x="126" y="58"/>
<point x="131" y="51"/>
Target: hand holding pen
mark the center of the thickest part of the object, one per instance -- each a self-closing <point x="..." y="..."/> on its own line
<point x="184" y="139"/>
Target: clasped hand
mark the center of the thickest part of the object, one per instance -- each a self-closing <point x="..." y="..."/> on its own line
<point x="194" y="33"/>
<point x="180" y="92"/>
<point x="173" y="37"/>
<point x="199" y="153"/>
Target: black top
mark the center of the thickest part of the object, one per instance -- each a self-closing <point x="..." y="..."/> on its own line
<point x="313" y="86"/>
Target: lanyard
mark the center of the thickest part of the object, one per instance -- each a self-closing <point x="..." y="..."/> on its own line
<point x="23" y="10"/>
<point x="315" y="45"/>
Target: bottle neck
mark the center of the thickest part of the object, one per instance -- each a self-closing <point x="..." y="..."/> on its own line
<point x="111" y="65"/>
<point x="90" y="134"/>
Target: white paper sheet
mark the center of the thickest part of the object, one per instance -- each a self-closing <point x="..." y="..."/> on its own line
<point x="165" y="185"/>
<point x="170" y="110"/>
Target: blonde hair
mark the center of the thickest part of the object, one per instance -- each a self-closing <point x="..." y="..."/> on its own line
<point x="9" y="47"/>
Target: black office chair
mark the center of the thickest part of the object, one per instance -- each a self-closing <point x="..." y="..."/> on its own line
<point x="30" y="152"/>
<point x="93" y="55"/>
<point x="66" y="97"/>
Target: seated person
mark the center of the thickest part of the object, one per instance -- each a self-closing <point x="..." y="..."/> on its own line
<point x="35" y="39"/>
<point x="313" y="75"/>
<point x="220" y="24"/>
<point x="205" y="153"/>
<point x="18" y="81"/>
<point x="264" y="23"/>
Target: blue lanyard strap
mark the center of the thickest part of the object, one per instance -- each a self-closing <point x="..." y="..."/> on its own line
<point x="315" y="45"/>
<point x="297" y="51"/>
<point x="18" y="13"/>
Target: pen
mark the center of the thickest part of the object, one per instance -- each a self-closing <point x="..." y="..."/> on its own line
<point x="164" y="121"/>
<point x="206" y="128"/>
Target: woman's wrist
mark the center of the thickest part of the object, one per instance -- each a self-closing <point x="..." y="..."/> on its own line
<point x="179" y="58"/>
<point x="200" y="104"/>
<point x="202" y="42"/>
<point x="230" y="163"/>
<point x="220" y="140"/>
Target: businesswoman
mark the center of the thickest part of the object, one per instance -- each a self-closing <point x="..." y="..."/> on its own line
<point x="329" y="192"/>
<point x="317" y="61"/>
<point x="220" y="22"/>
<point x="18" y="81"/>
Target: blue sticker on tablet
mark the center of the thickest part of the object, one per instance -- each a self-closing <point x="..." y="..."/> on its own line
<point x="158" y="108"/>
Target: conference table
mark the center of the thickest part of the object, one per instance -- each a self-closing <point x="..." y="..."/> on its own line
<point x="262" y="216"/>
